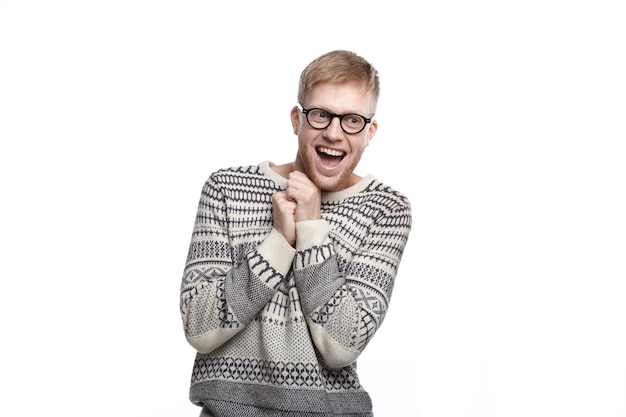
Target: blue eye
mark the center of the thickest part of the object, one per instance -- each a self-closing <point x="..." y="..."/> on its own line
<point x="353" y="120"/>
<point x="319" y="114"/>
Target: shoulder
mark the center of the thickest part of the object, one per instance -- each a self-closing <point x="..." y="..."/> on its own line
<point x="234" y="175"/>
<point x="385" y="195"/>
<point x="241" y="182"/>
<point x="236" y="171"/>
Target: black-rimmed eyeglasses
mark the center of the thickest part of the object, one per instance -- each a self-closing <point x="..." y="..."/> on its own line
<point x="319" y="119"/>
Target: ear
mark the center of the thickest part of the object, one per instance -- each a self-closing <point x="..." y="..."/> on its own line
<point x="372" y="130"/>
<point x="295" y="120"/>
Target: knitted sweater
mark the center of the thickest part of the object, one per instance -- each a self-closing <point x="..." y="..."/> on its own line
<point x="278" y="329"/>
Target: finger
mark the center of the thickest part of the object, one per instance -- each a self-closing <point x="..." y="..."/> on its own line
<point x="283" y="202"/>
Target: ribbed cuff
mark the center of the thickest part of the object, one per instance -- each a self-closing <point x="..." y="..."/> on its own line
<point x="277" y="251"/>
<point x="311" y="233"/>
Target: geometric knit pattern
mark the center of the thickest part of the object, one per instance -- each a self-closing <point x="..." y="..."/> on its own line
<point x="278" y="329"/>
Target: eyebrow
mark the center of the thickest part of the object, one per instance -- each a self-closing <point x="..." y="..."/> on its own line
<point x="334" y="112"/>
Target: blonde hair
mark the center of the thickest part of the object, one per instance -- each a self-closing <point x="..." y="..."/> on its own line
<point x="338" y="67"/>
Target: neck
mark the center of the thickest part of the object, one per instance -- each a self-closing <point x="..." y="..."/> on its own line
<point x="284" y="169"/>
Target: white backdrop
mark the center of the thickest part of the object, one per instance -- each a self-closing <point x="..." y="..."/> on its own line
<point x="502" y="121"/>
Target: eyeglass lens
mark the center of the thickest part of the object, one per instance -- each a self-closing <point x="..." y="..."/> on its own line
<point x="321" y="119"/>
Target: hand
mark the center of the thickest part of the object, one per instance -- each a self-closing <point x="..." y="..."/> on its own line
<point x="306" y="195"/>
<point x="283" y="216"/>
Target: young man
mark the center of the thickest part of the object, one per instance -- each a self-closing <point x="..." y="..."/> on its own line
<point x="291" y="267"/>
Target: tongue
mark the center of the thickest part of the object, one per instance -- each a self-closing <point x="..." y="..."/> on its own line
<point x="328" y="161"/>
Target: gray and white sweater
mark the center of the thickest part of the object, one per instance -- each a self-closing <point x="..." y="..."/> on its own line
<point x="278" y="329"/>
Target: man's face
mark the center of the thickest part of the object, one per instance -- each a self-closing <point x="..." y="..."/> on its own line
<point x="329" y="156"/>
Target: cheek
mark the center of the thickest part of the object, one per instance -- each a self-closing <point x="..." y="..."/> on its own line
<point x="305" y="136"/>
<point x="364" y="143"/>
<point x="302" y="141"/>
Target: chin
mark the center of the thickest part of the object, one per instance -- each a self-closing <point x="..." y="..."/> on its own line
<point x="335" y="181"/>
<point x="330" y="184"/>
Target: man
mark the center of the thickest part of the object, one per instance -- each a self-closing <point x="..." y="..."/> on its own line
<point x="291" y="267"/>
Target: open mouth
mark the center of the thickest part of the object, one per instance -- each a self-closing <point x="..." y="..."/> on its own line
<point x="329" y="158"/>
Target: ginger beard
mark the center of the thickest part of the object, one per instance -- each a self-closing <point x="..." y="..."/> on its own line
<point x="329" y="156"/>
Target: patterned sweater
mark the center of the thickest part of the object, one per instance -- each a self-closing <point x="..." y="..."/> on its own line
<point x="278" y="329"/>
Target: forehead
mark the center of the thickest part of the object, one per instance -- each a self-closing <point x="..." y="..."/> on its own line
<point x="349" y="97"/>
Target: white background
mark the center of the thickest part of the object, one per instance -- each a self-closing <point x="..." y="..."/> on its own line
<point x="502" y="121"/>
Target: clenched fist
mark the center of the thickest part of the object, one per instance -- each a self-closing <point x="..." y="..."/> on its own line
<point x="306" y="194"/>
<point x="300" y="201"/>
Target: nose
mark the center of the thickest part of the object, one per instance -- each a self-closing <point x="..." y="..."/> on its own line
<point x="334" y="130"/>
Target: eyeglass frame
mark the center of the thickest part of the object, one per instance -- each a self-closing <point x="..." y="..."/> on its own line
<point x="332" y="116"/>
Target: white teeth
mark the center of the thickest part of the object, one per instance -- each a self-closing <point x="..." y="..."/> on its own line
<point x="330" y="152"/>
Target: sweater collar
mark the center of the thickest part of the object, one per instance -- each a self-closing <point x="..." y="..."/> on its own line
<point x="266" y="168"/>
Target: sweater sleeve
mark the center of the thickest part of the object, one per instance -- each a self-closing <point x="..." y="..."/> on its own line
<point x="221" y="292"/>
<point x="345" y="309"/>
